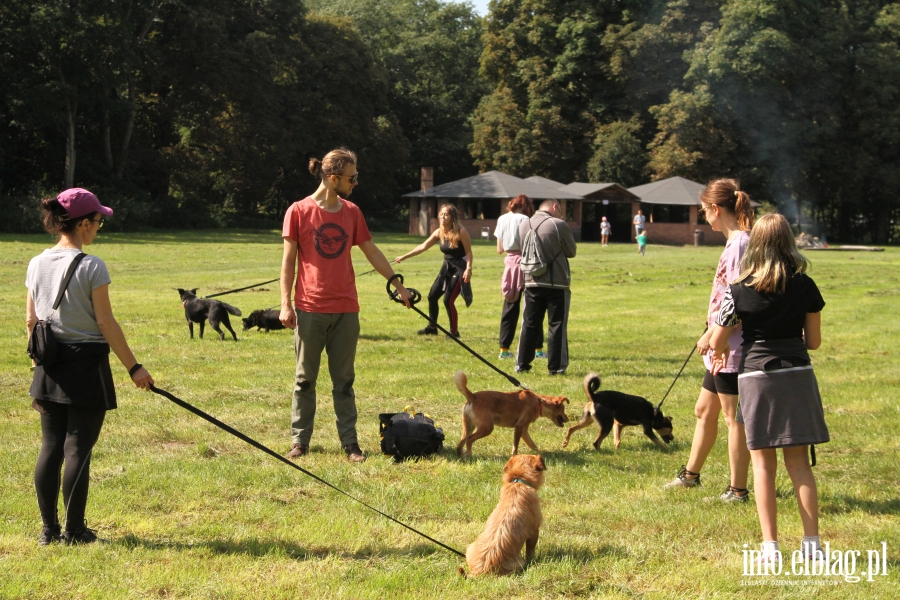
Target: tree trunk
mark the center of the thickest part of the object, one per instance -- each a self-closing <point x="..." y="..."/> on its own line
<point x="71" y="108"/>
<point x="129" y="129"/>
<point x="107" y="145"/>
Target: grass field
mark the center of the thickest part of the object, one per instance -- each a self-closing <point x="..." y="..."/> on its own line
<point x="191" y="512"/>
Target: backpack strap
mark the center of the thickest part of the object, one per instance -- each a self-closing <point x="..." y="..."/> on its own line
<point x="69" y="272"/>
<point x="558" y="237"/>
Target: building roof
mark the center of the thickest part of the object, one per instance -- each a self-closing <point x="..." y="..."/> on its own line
<point x="493" y="184"/>
<point x="545" y="181"/>
<point x="675" y="190"/>
<point x="585" y="190"/>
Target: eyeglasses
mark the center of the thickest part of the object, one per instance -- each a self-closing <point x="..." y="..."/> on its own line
<point x="99" y="222"/>
<point x="353" y="178"/>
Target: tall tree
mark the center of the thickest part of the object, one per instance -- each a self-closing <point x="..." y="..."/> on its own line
<point x="429" y="50"/>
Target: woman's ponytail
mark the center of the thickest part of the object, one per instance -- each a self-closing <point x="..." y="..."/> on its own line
<point x="726" y="194"/>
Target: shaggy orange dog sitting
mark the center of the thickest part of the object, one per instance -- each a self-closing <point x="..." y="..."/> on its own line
<point x="515" y="522"/>
<point x="484" y="410"/>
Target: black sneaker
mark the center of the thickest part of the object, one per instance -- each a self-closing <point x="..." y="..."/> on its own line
<point x="49" y="535"/>
<point x="453" y="335"/>
<point x="354" y="453"/>
<point x="428" y="331"/>
<point x="81" y="536"/>
<point x="523" y="369"/>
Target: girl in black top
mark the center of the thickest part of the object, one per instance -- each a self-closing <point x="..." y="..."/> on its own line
<point x="456" y="271"/>
<point x="779" y="307"/>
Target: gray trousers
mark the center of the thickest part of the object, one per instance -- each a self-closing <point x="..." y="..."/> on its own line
<point x="336" y="334"/>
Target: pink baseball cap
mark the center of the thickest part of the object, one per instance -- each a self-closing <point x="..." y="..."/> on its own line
<point x="79" y="202"/>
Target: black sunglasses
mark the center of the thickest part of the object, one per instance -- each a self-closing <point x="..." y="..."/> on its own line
<point x="99" y="222"/>
<point x="353" y="178"/>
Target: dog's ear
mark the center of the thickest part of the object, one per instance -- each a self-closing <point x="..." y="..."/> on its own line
<point x="537" y="462"/>
<point x="194" y="291"/>
<point x="564" y="400"/>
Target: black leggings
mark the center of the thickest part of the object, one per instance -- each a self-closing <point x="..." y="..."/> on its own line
<point x="69" y="435"/>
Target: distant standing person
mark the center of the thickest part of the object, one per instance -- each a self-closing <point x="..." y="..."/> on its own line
<point x="639" y="221"/>
<point x="73" y="393"/>
<point x="547" y="293"/>
<point x="779" y="307"/>
<point x="605" y="230"/>
<point x="728" y="210"/>
<point x="512" y="283"/>
<point x="642" y="243"/>
<point x="318" y="233"/>
<point x="456" y="270"/>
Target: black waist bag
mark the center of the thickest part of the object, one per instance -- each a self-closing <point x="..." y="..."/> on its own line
<point x="403" y="436"/>
<point x="42" y="346"/>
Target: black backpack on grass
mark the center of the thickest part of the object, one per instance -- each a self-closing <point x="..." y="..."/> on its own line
<point x="403" y="436"/>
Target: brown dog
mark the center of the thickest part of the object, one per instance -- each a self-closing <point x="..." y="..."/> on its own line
<point x="484" y="410"/>
<point x="515" y="522"/>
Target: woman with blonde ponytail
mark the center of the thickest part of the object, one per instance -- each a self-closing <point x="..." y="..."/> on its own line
<point x="727" y="209"/>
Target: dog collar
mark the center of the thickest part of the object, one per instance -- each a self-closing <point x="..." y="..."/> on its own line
<point x="517" y="480"/>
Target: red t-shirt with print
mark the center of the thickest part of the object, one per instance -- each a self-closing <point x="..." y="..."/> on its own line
<point x="326" y="282"/>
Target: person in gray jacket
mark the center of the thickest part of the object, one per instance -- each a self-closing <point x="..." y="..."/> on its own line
<point x="547" y="293"/>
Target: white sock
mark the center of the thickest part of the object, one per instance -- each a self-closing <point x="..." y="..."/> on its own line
<point x="811" y="545"/>
<point x="769" y="549"/>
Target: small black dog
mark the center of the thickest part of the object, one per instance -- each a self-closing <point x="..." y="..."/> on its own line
<point x="263" y="319"/>
<point x="198" y="310"/>
<point x="607" y="408"/>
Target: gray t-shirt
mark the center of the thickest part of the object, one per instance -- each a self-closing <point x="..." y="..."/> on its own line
<point x="74" y="321"/>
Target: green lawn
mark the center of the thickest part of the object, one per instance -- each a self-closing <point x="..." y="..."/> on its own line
<point x="191" y="512"/>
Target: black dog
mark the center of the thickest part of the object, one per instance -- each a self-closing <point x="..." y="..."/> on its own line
<point x="198" y="310"/>
<point x="263" y="319"/>
<point x="607" y="408"/>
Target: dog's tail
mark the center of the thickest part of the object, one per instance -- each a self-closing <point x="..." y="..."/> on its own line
<point x="462" y="384"/>
<point x="591" y="384"/>
<point x="235" y="311"/>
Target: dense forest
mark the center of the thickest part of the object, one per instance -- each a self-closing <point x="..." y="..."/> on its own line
<point x="204" y="113"/>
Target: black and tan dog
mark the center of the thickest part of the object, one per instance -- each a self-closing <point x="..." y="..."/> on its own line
<point x="263" y="319"/>
<point x="198" y="310"/>
<point x="610" y="408"/>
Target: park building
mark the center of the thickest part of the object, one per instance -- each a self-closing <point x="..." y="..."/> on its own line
<point x="671" y="206"/>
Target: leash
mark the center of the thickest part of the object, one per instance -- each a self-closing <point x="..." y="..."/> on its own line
<point x="370" y="271"/>
<point x="242" y="289"/>
<point x="658" y="406"/>
<point x="255" y="444"/>
<point x="416" y="297"/>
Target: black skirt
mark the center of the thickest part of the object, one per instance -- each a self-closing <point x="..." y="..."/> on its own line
<point x="80" y="376"/>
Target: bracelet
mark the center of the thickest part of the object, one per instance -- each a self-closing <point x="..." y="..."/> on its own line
<point x="135" y="369"/>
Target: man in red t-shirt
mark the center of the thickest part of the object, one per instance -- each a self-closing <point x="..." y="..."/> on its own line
<point x="318" y="233"/>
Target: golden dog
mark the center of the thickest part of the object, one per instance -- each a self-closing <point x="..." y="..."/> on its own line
<point x="484" y="410"/>
<point x="515" y="522"/>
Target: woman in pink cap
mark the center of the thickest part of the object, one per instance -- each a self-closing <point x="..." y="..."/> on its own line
<point x="73" y="393"/>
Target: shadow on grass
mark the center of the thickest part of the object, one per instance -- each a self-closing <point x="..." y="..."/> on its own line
<point x="579" y="555"/>
<point x="847" y="504"/>
<point x="263" y="547"/>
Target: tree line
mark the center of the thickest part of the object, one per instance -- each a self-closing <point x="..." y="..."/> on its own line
<point x="205" y="113"/>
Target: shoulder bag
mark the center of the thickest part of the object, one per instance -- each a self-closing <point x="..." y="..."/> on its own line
<point x="42" y="343"/>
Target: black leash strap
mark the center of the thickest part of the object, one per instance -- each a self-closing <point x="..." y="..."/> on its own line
<point x="243" y="288"/>
<point x="658" y="406"/>
<point x="370" y="271"/>
<point x="271" y="452"/>
<point x="416" y="296"/>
